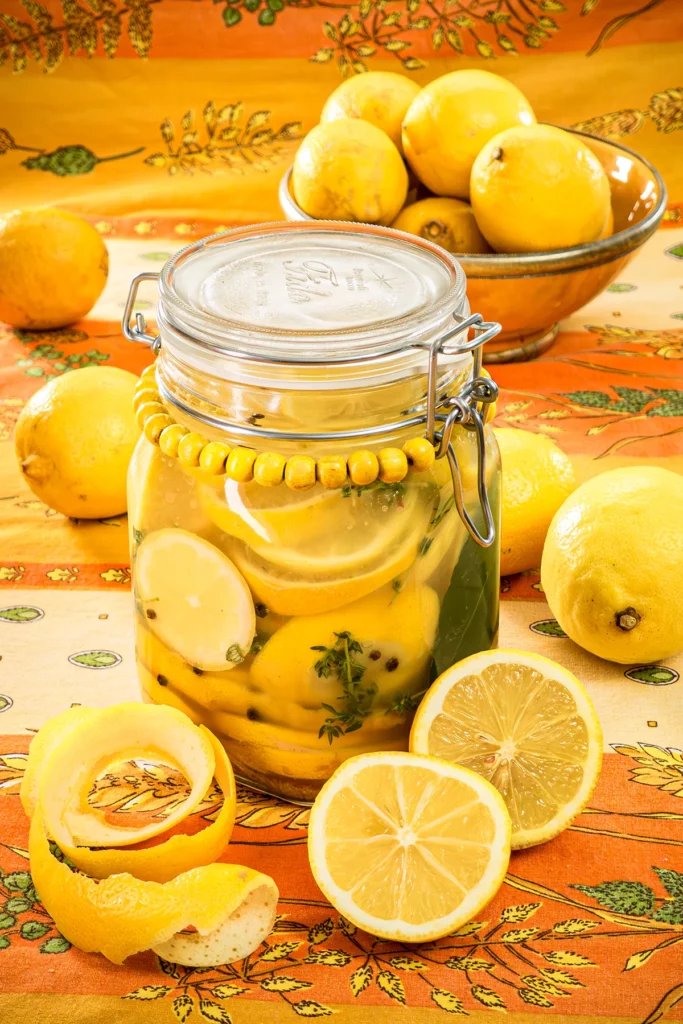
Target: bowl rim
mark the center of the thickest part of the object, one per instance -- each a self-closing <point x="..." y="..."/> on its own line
<point x="604" y="250"/>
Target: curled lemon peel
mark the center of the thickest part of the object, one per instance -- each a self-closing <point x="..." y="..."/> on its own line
<point x="131" y="900"/>
<point x="159" y="863"/>
<point x="43" y="743"/>
<point x="121" y="915"/>
<point x="120" y="733"/>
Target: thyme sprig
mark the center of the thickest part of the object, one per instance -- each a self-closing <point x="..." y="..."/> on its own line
<point x="339" y="660"/>
<point x="406" y="702"/>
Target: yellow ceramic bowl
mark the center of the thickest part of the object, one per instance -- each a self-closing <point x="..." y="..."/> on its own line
<point x="528" y="293"/>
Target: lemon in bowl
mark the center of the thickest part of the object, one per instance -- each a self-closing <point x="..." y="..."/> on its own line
<point x="450" y="120"/>
<point x="380" y="97"/>
<point x="537" y="187"/>
<point x="448" y="222"/>
<point x="349" y="170"/>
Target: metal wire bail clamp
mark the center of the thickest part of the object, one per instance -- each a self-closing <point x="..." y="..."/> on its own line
<point x="138" y="334"/>
<point x="465" y="410"/>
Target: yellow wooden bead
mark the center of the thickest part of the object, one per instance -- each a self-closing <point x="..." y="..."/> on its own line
<point x="363" y="467"/>
<point x="190" y="448"/>
<point x="240" y="465"/>
<point x="154" y="425"/>
<point x="300" y="472"/>
<point x="143" y="412"/>
<point x="269" y="469"/>
<point x="393" y="465"/>
<point x="170" y="439"/>
<point x="332" y="471"/>
<point x="212" y="458"/>
<point x="145" y="395"/>
<point x="420" y="453"/>
<point x="150" y="373"/>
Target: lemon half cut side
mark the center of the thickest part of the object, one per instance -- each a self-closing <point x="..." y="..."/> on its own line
<point x="525" y="724"/>
<point x="406" y="847"/>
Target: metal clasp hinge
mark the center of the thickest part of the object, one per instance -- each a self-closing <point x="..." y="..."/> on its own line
<point x="467" y="410"/>
<point x="139" y="333"/>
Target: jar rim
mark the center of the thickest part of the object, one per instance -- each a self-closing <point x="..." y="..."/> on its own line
<point x="420" y="315"/>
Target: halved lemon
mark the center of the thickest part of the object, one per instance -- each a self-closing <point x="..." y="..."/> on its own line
<point x="524" y="723"/>
<point x="407" y="847"/>
<point x="194" y="599"/>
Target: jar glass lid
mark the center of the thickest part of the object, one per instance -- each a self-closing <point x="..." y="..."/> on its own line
<point x="311" y="292"/>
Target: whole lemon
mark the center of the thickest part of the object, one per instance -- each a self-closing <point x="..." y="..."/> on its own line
<point x="379" y="97"/>
<point x="538" y="187"/>
<point x="450" y="120"/>
<point x="537" y="477"/>
<point x="448" y="222"/>
<point x="53" y="267"/>
<point x="612" y="566"/>
<point x="74" y="439"/>
<point x="349" y="170"/>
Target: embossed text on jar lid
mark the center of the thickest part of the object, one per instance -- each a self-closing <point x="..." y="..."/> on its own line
<point x="311" y="293"/>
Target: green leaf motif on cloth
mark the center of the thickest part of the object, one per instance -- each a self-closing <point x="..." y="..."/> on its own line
<point x="670" y="912"/>
<point x="623" y="897"/>
<point x="57" y="944"/>
<point x="33" y="930"/>
<point x="18" y="881"/>
<point x="96" y="659"/>
<point x="654" y="675"/>
<point x="671" y="880"/>
<point x="21" y="613"/>
<point x="548" y="627"/>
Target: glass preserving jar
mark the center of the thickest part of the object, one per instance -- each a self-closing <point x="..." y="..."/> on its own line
<point x="314" y="500"/>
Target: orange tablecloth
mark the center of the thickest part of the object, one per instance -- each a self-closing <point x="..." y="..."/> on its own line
<point x="587" y="927"/>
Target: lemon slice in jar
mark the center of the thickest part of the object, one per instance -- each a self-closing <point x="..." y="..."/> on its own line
<point x="320" y="531"/>
<point x="408" y="848"/>
<point x="269" y="515"/>
<point x="524" y="723"/>
<point x="285" y="594"/>
<point x="194" y="599"/>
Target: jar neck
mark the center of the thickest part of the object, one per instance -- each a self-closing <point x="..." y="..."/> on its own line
<point x="245" y="411"/>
